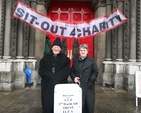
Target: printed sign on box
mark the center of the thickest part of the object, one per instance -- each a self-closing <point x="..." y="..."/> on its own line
<point x="67" y="98"/>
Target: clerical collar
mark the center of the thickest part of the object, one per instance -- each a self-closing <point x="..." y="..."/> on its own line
<point x="81" y="59"/>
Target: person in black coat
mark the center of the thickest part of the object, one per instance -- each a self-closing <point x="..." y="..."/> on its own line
<point x="54" y="69"/>
<point x="84" y="72"/>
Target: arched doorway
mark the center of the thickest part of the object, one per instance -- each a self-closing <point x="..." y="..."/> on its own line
<point x="74" y="13"/>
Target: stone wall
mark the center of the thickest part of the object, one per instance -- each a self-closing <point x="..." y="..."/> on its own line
<point x="120" y="75"/>
<point x="12" y="74"/>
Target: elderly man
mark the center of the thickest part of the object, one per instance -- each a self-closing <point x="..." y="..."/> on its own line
<point x="84" y="72"/>
<point x="54" y="69"/>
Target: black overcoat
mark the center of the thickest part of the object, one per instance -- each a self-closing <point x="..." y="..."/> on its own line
<point x="49" y="79"/>
<point x="88" y="77"/>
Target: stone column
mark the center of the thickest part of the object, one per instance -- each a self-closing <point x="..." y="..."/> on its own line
<point x="31" y="49"/>
<point x="126" y="31"/>
<point x="40" y="36"/>
<point x="132" y="54"/>
<point x="20" y="36"/>
<point x="100" y="40"/>
<point x="139" y="31"/>
<point x="108" y="55"/>
<point x="120" y="38"/>
<point x="1" y="26"/>
<point x="7" y="33"/>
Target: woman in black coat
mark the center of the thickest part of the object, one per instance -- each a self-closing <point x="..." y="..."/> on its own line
<point x="84" y="72"/>
<point x="54" y="69"/>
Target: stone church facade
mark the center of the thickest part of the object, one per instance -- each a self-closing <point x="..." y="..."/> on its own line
<point x="117" y="52"/>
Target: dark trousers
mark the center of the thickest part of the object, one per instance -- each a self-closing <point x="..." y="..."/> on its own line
<point x="89" y="104"/>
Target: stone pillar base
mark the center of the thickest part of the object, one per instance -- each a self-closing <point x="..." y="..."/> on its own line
<point x="6" y="57"/>
<point x="19" y="57"/>
<point x="12" y="75"/>
<point x="107" y="78"/>
<point x="121" y="74"/>
<point x="118" y="81"/>
<point x="128" y="82"/>
<point x="7" y="81"/>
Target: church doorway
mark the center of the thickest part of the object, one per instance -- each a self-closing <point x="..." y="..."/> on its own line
<point x="74" y="13"/>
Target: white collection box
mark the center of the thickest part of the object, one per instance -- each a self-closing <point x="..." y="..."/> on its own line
<point x="67" y="98"/>
<point x="138" y="85"/>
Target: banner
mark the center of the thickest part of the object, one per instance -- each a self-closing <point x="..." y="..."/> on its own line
<point x="45" y="24"/>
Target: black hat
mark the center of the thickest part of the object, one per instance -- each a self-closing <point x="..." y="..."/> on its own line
<point x="57" y="42"/>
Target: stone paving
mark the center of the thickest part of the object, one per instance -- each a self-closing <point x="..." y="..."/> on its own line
<point x="107" y="101"/>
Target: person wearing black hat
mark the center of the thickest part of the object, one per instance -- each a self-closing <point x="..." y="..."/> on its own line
<point x="54" y="69"/>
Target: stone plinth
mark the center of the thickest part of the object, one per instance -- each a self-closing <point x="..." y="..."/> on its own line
<point x="20" y="80"/>
<point x="31" y="63"/>
<point x="18" y="65"/>
<point x="121" y="74"/>
<point x="7" y="81"/>
<point x="35" y="78"/>
<point x="129" y="77"/>
<point x="119" y="70"/>
<point x="6" y="65"/>
<point x="107" y="77"/>
<point x="12" y="75"/>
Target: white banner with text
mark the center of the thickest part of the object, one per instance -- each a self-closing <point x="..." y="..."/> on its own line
<point x="45" y="24"/>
